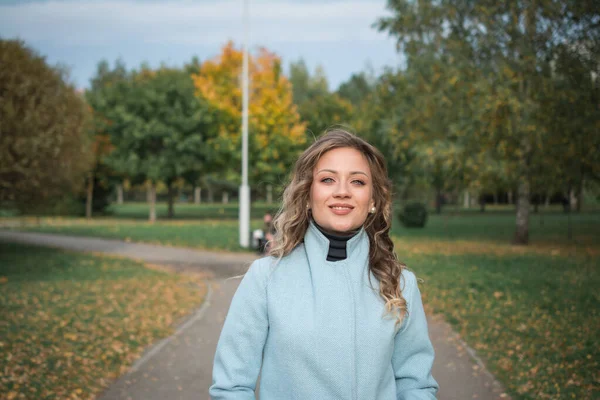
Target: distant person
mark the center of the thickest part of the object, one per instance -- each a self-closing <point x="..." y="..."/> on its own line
<point x="264" y="237"/>
<point x="269" y="232"/>
<point x="331" y="314"/>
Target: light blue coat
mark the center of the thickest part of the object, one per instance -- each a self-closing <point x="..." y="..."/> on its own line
<point x="316" y="329"/>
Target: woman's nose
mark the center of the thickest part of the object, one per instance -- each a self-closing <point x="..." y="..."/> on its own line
<point x="341" y="190"/>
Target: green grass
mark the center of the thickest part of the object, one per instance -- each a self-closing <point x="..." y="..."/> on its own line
<point x="67" y="324"/>
<point x="8" y="212"/>
<point x="535" y="319"/>
<point x="499" y="226"/>
<point x="207" y="234"/>
<point x="185" y="211"/>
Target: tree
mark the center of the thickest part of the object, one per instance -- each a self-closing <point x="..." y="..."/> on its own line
<point x="101" y="177"/>
<point x="301" y="82"/>
<point x="417" y="146"/>
<point x="322" y="112"/>
<point x="573" y="116"/>
<point x="44" y="151"/>
<point x="378" y="118"/>
<point x="318" y="107"/>
<point x="276" y="134"/>
<point x="356" y="89"/>
<point x="158" y="127"/>
<point x="495" y="59"/>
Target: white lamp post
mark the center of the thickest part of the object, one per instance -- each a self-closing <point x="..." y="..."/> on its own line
<point x="245" y="189"/>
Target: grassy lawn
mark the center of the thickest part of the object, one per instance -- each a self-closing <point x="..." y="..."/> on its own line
<point x="499" y="226"/>
<point x="534" y="318"/>
<point x="207" y="234"/>
<point x="70" y="323"/>
<point x="190" y="211"/>
<point x="206" y="226"/>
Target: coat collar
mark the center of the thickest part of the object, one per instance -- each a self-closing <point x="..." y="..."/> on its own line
<point x="317" y="247"/>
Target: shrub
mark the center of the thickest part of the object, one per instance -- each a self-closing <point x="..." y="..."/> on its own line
<point x="413" y="215"/>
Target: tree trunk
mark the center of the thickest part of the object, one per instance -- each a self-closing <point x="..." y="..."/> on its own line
<point x="152" y="202"/>
<point x="89" y="196"/>
<point x="225" y="198"/>
<point x="547" y="201"/>
<point x="197" y="195"/>
<point x="510" y="197"/>
<point x="269" y="194"/>
<point x="565" y="201"/>
<point x="567" y="208"/>
<point x="569" y="225"/>
<point x="170" y="194"/>
<point x="528" y="71"/>
<point x="438" y="200"/>
<point x="210" y="195"/>
<point x="495" y="198"/>
<point x="579" y="195"/>
<point x="119" y="194"/>
<point x="522" y="231"/>
<point x="482" y="203"/>
<point x="467" y="200"/>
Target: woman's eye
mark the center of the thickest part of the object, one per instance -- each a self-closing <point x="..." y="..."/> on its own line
<point x="327" y="180"/>
<point x="359" y="182"/>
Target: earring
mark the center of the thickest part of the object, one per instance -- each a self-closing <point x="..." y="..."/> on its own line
<point x="372" y="210"/>
<point x="307" y="206"/>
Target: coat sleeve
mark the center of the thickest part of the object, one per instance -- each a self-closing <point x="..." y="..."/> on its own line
<point x="413" y="352"/>
<point x="239" y="352"/>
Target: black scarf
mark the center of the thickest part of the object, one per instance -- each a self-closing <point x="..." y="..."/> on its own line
<point x="337" y="244"/>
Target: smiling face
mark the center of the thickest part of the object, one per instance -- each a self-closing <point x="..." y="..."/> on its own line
<point x="341" y="193"/>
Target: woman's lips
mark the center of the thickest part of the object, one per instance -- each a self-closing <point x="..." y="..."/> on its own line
<point x="341" y="209"/>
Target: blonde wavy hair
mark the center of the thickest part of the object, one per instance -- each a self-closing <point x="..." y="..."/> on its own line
<point x="292" y="220"/>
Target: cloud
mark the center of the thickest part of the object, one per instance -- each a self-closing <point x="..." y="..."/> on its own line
<point x="202" y="23"/>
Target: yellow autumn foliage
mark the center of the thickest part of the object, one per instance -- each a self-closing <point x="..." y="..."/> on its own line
<point x="275" y="129"/>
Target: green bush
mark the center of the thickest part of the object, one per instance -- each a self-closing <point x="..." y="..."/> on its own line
<point x="413" y="215"/>
<point x="68" y="205"/>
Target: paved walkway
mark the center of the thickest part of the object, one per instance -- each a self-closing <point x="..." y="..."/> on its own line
<point x="179" y="367"/>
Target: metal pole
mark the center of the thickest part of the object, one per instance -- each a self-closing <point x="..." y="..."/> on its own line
<point x="245" y="189"/>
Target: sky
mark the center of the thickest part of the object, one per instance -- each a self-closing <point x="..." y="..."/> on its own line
<point x="336" y="34"/>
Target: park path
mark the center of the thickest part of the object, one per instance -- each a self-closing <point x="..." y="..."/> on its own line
<point x="180" y="366"/>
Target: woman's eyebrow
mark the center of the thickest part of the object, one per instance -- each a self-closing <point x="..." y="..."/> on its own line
<point x="327" y="170"/>
<point x="335" y="172"/>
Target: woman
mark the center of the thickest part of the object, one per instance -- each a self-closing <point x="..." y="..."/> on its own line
<point x="332" y="314"/>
